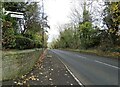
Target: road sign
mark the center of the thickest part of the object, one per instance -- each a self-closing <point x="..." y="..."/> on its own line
<point x="13" y="14"/>
<point x="16" y="16"/>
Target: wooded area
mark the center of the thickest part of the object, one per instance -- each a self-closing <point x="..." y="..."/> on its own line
<point x="26" y="33"/>
<point x="85" y="35"/>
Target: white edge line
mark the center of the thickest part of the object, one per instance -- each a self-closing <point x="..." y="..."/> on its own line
<point x="72" y="74"/>
<point x="107" y="64"/>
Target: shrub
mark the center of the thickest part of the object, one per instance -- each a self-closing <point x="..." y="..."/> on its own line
<point x="8" y="38"/>
<point x="24" y="43"/>
<point x="38" y="44"/>
<point x="36" y="37"/>
<point x="29" y="35"/>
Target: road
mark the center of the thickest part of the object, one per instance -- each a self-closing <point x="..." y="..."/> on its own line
<point x="90" y="69"/>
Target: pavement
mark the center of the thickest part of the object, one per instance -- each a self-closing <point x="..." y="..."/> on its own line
<point x="49" y="71"/>
<point x="91" y="70"/>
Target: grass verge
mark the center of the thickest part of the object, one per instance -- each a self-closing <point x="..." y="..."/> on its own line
<point x="17" y="63"/>
<point x="98" y="53"/>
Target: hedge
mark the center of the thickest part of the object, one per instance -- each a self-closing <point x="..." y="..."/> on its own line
<point x="24" y="43"/>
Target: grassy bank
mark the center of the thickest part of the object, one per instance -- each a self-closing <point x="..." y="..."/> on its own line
<point x="98" y="52"/>
<point x="15" y="63"/>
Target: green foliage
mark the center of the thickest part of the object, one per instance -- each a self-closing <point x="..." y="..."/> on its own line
<point x="28" y="41"/>
<point x="36" y="37"/>
<point x="8" y="38"/>
<point x="32" y="17"/>
<point x="66" y="37"/>
<point x="112" y="20"/>
<point x="86" y="15"/>
<point x="8" y="34"/>
<point x="24" y="43"/>
<point x="14" y="6"/>
<point x="38" y="40"/>
<point x="88" y="35"/>
<point x="31" y="36"/>
<point x="83" y="36"/>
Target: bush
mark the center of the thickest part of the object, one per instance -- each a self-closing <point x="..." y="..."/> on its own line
<point x="35" y="37"/>
<point x="38" y="44"/>
<point x="29" y="35"/>
<point x="24" y="43"/>
<point x="8" y="38"/>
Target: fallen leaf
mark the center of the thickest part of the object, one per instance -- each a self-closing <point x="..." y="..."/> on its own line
<point x="41" y="73"/>
<point x="50" y="79"/>
<point x="22" y="76"/>
<point x="65" y="74"/>
<point x="31" y="73"/>
<point x="15" y="82"/>
<point x="37" y="79"/>
<point x="24" y="82"/>
<point x="27" y="79"/>
<point x="46" y="76"/>
<point x="19" y="83"/>
<point x="50" y="73"/>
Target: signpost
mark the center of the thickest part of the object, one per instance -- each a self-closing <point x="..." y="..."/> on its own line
<point x="13" y="14"/>
<point x="17" y="16"/>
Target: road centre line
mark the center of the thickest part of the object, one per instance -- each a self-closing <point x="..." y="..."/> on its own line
<point x="81" y="56"/>
<point x="107" y="64"/>
<point x="101" y="62"/>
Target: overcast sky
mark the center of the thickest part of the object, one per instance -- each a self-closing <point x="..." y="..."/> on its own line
<point x="58" y="12"/>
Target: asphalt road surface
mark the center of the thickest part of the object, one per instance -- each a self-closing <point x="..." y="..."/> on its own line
<point x="90" y="69"/>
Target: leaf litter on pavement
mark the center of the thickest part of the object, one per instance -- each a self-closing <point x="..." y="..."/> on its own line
<point x="24" y="78"/>
<point x="46" y="73"/>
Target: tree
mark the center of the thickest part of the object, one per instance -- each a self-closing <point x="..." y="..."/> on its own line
<point x="112" y="20"/>
<point x="86" y="15"/>
<point x="31" y="33"/>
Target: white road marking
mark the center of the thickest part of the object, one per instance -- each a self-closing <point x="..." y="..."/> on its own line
<point x="81" y="56"/>
<point x="107" y="64"/>
<point x="72" y="74"/>
<point x="100" y="62"/>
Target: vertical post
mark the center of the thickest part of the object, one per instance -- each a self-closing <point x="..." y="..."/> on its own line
<point x="43" y="39"/>
<point x="42" y="26"/>
<point x="1" y="13"/>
